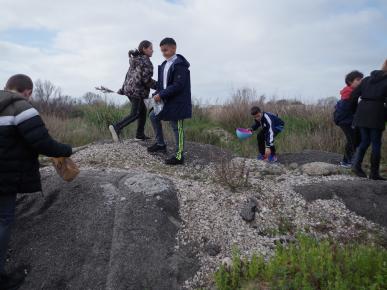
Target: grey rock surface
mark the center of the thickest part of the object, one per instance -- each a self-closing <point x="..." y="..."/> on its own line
<point x="319" y="169"/>
<point x="248" y="210"/>
<point x="308" y="156"/>
<point x="366" y="198"/>
<point x="106" y="230"/>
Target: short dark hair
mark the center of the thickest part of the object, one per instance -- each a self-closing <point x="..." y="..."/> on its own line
<point x="255" y="110"/>
<point x="353" y="75"/>
<point x="168" y="41"/>
<point x="19" y="83"/>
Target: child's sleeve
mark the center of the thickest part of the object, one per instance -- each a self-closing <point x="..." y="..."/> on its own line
<point x="180" y="76"/>
<point x="269" y="134"/>
<point x="354" y="100"/>
<point x="146" y="76"/>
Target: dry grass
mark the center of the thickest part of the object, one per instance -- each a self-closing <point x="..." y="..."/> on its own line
<point x="233" y="175"/>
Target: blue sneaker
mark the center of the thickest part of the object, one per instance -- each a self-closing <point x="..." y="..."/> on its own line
<point x="346" y="165"/>
<point x="272" y="159"/>
<point x="260" y="157"/>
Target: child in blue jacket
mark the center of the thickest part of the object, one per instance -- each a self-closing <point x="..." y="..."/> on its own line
<point x="271" y="125"/>
<point x="174" y="90"/>
<point x="343" y="117"/>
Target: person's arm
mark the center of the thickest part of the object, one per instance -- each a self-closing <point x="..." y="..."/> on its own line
<point x="255" y="126"/>
<point x="269" y="134"/>
<point x="180" y="76"/>
<point x="147" y="74"/>
<point x="33" y="131"/>
<point x="354" y="98"/>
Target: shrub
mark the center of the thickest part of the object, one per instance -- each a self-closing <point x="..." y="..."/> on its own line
<point x="309" y="264"/>
<point x="233" y="175"/>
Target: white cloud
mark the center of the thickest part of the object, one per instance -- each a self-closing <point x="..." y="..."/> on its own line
<point x="289" y="48"/>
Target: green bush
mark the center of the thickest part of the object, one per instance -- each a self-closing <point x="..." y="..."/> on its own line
<point x="309" y="264"/>
<point x="101" y="115"/>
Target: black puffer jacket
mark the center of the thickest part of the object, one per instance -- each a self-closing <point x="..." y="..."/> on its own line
<point x="371" y="110"/>
<point x="23" y="136"/>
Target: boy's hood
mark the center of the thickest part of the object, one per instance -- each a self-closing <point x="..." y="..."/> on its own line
<point x="346" y="93"/>
<point x="181" y="60"/>
<point x="378" y="75"/>
<point x="7" y="98"/>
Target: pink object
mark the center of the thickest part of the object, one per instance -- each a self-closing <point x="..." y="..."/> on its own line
<point x="243" y="133"/>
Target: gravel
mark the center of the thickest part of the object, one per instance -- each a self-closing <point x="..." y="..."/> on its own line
<point x="210" y="211"/>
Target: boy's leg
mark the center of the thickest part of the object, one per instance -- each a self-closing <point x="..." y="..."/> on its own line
<point x="157" y="128"/>
<point x="7" y="217"/>
<point x="261" y="142"/>
<point x="350" y="145"/>
<point x="178" y="132"/>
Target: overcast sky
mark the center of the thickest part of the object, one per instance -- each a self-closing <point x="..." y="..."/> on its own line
<point x="293" y="49"/>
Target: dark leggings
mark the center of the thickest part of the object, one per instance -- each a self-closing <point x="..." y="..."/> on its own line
<point x="262" y="143"/>
<point x="138" y="111"/>
<point x="353" y="140"/>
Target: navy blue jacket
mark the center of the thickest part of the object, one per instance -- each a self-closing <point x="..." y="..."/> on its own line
<point x="271" y="126"/>
<point x="177" y="95"/>
<point x="343" y="114"/>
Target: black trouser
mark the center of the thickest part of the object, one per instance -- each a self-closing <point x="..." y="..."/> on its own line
<point x="138" y="111"/>
<point x="7" y="216"/>
<point x="262" y="143"/>
<point x="353" y="140"/>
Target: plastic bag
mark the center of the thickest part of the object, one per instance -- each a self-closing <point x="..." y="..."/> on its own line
<point x="157" y="106"/>
<point x="66" y="168"/>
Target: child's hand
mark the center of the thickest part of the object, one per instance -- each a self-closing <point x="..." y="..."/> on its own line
<point x="267" y="152"/>
<point x="157" y="98"/>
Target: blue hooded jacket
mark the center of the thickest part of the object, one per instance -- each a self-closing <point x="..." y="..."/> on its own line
<point x="177" y="95"/>
<point x="271" y="126"/>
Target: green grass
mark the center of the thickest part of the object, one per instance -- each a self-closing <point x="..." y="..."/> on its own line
<point x="308" y="264"/>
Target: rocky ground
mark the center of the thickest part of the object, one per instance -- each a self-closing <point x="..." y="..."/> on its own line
<point x="226" y="201"/>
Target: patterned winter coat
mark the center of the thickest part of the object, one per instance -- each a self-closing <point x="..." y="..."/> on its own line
<point x="138" y="80"/>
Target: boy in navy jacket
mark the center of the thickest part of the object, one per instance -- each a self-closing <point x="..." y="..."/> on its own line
<point x="270" y="126"/>
<point x="343" y="117"/>
<point x="174" y="90"/>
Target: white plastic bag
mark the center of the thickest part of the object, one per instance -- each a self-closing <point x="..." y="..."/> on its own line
<point x="157" y="106"/>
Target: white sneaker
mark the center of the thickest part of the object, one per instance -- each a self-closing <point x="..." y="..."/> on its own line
<point x="114" y="134"/>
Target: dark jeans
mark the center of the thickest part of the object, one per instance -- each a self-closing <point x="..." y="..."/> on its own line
<point x="353" y="140"/>
<point x="138" y="111"/>
<point x="178" y="133"/>
<point x="7" y="217"/>
<point x="369" y="136"/>
<point x="373" y="137"/>
<point x="262" y="143"/>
